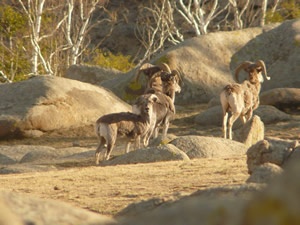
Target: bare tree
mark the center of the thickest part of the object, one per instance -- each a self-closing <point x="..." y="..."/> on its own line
<point x="154" y="26"/>
<point x="238" y="22"/>
<point x="64" y="36"/>
<point x="79" y="23"/>
<point x="34" y="11"/>
<point x="264" y="5"/>
<point x="199" y="14"/>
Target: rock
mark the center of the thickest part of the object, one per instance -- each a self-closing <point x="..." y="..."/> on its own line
<point x="7" y="217"/>
<point x="279" y="49"/>
<point x="271" y="150"/>
<point x="281" y="98"/>
<point x="220" y="205"/>
<point x="91" y="74"/>
<point x="269" y="114"/>
<point x="211" y="117"/>
<point x="251" y="132"/>
<point x="204" y="147"/>
<point x="215" y="101"/>
<point x="39" y="154"/>
<point x="48" y="103"/>
<point x="158" y="141"/>
<point x="151" y="154"/>
<point x="17" y="152"/>
<point x="278" y="203"/>
<point x="202" y="78"/>
<point x="26" y="168"/>
<point x="4" y="160"/>
<point x="265" y="173"/>
<point x="33" y="210"/>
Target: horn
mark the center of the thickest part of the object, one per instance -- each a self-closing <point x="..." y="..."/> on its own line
<point x="243" y="65"/>
<point x="263" y="66"/>
<point x="145" y="67"/>
<point x="179" y="77"/>
<point x="164" y="67"/>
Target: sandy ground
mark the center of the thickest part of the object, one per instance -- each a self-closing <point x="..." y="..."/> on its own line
<point x="107" y="190"/>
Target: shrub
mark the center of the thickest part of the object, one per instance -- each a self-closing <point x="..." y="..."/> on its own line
<point x="108" y="59"/>
<point x="288" y="10"/>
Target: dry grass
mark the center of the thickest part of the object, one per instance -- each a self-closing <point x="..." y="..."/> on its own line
<point x="108" y="190"/>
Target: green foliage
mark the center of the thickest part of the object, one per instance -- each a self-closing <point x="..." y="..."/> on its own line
<point x="163" y="59"/>
<point x="108" y="59"/>
<point x="11" y="21"/>
<point x="287" y="10"/>
<point x="14" y="59"/>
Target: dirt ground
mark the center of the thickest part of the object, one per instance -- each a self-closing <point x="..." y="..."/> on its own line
<point x="107" y="190"/>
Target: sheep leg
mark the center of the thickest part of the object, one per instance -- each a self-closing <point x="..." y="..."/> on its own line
<point x="249" y="114"/>
<point x="233" y="118"/>
<point x="127" y="147"/>
<point x="148" y="135"/>
<point x="155" y="132"/>
<point x="109" y="150"/>
<point x="165" y="129"/>
<point x="98" y="150"/>
<point x="243" y="119"/>
<point x="225" y="118"/>
<point x="137" y="142"/>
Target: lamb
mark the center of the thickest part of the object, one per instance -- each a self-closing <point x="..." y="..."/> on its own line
<point x="132" y="126"/>
<point x="164" y="109"/>
<point x="242" y="99"/>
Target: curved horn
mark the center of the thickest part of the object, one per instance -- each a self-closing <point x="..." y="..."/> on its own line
<point x="179" y="76"/>
<point x="243" y="65"/>
<point x="165" y="67"/>
<point x="263" y="66"/>
<point x="143" y="68"/>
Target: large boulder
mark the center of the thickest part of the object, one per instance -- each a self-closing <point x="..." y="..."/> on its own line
<point x="205" y="147"/>
<point x="47" y="103"/>
<point x="151" y="154"/>
<point x="35" y="158"/>
<point x="271" y="150"/>
<point x="91" y="74"/>
<point x="252" y="132"/>
<point x="196" y="59"/>
<point x="33" y="210"/>
<point x="280" y="50"/>
<point x="281" y="98"/>
<point x="265" y="173"/>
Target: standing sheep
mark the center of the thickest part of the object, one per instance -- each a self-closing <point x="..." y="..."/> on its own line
<point x="242" y="99"/>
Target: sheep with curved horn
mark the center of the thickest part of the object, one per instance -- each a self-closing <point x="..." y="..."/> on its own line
<point x="242" y="99"/>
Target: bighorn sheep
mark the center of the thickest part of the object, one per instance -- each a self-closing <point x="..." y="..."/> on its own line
<point x="130" y="125"/>
<point x="155" y="74"/>
<point x="163" y="111"/>
<point x="163" y="82"/>
<point x="242" y="99"/>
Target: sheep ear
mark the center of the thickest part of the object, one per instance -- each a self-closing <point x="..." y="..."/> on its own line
<point x="154" y="98"/>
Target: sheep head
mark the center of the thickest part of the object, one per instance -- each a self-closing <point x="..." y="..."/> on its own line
<point x="253" y="69"/>
<point x="172" y="79"/>
<point x="149" y="70"/>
